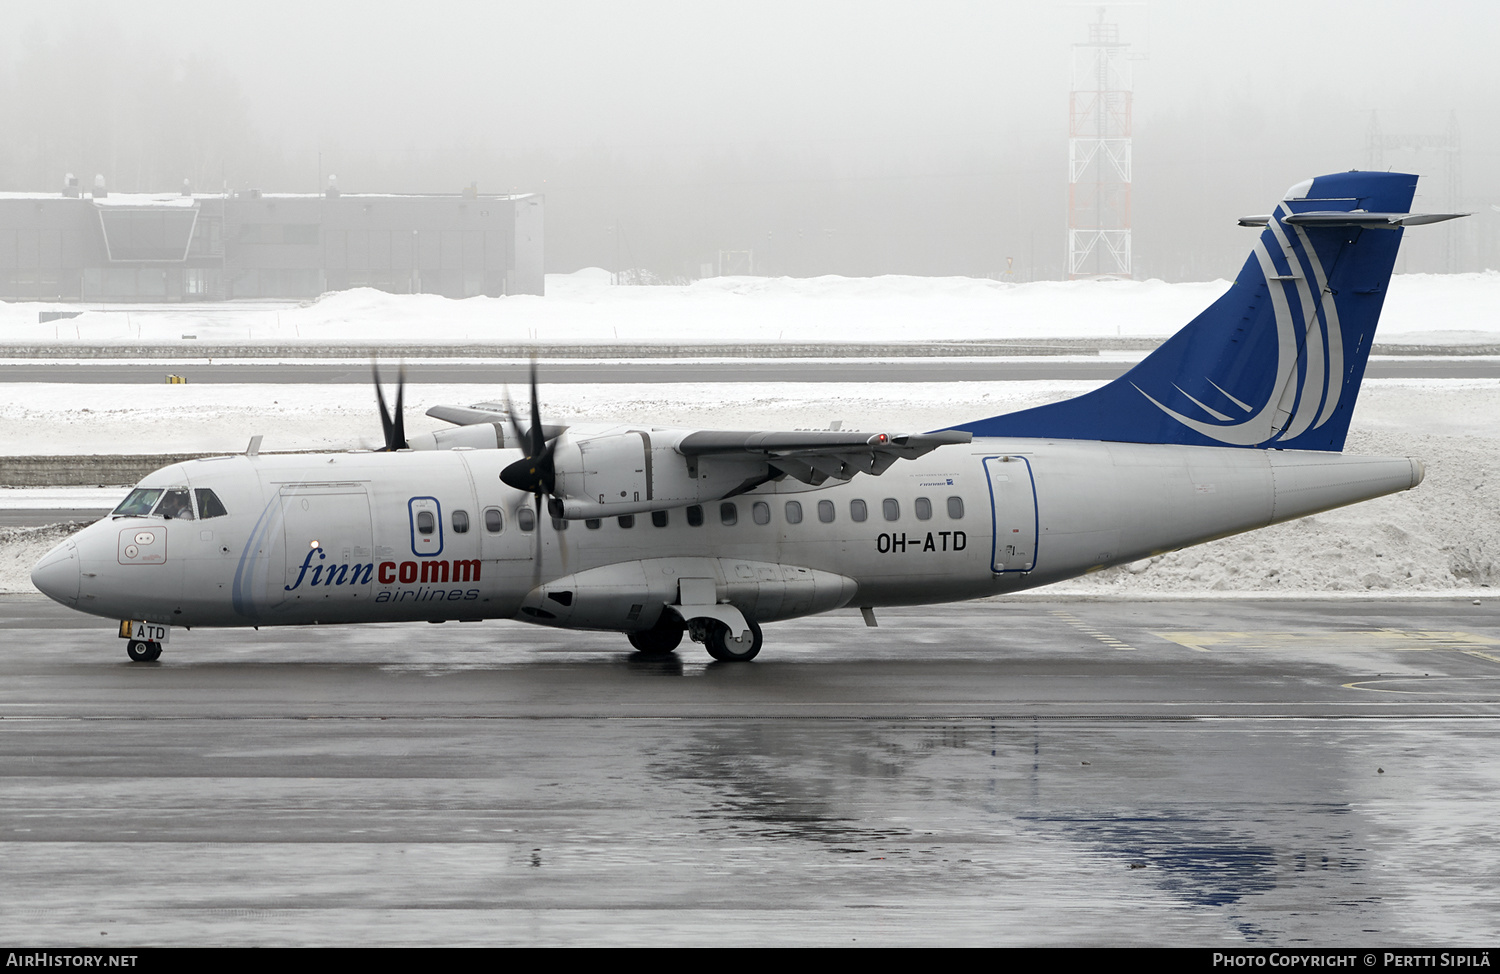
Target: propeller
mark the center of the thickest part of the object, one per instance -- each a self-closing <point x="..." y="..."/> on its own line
<point x="394" y="426"/>
<point x="533" y="473"/>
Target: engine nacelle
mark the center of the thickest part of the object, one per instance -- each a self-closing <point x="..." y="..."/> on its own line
<point x="630" y="471"/>
<point x="479" y="436"/>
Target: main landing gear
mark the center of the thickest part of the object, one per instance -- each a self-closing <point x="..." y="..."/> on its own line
<point x="662" y="639"/>
<point x="727" y="647"/>
<point x="142" y="651"/>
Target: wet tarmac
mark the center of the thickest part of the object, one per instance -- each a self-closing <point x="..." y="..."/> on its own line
<point x="1022" y="772"/>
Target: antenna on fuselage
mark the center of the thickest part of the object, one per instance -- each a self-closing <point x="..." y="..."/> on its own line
<point x="254" y="448"/>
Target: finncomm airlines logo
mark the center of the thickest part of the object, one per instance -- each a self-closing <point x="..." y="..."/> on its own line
<point x="428" y="572"/>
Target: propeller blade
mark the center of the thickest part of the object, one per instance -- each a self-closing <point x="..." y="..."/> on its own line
<point x="400" y="418"/>
<point x="515" y="427"/>
<point x="538" y="441"/>
<point x="392" y="426"/>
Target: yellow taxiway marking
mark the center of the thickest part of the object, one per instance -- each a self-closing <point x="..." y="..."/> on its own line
<point x="1089" y="630"/>
<point x="1397" y="640"/>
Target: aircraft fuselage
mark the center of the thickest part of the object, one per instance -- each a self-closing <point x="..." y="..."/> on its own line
<point x="379" y="537"/>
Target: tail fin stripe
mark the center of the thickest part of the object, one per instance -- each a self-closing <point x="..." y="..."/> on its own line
<point x="1330" y="315"/>
<point x="1313" y="385"/>
<point x="1221" y="417"/>
<point x="1248" y="433"/>
<point x="1286" y="347"/>
<point x="1243" y="405"/>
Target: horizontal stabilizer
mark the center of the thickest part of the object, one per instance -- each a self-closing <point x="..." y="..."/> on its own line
<point x="1368" y="221"/>
<point x="1356" y="218"/>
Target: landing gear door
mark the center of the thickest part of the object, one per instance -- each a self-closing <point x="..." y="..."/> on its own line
<point x="1013" y="503"/>
<point x="328" y="542"/>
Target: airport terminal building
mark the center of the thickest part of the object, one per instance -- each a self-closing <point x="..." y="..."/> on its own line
<point x="121" y="247"/>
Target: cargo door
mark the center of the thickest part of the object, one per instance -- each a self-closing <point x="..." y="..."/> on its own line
<point x="328" y="543"/>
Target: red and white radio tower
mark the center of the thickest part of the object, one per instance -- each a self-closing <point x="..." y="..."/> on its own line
<point x="1099" y="156"/>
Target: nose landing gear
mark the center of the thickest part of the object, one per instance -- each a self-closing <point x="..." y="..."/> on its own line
<point x="142" y="651"/>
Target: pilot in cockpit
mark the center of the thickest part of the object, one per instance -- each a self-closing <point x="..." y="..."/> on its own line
<point x="176" y="504"/>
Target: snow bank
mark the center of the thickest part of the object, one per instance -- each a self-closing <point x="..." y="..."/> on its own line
<point x="585" y="308"/>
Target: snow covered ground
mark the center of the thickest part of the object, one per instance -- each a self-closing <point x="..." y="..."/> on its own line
<point x="585" y="308"/>
<point x="1441" y="539"/>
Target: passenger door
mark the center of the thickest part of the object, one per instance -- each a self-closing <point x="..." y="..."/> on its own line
<point x="1013" y="503"/>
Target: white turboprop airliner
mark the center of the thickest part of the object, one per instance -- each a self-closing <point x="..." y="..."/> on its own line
<point x="1234" y="423"/>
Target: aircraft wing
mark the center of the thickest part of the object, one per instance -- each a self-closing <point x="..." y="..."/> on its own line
<point x="813" y="456"/>
<point x="625" y="470"/>
<point x="483" y="425"/>
<point x="468" y="415"/>
<point x="620" y="470"/>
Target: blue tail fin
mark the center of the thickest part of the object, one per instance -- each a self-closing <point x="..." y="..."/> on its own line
<point x="1277" y="361"/>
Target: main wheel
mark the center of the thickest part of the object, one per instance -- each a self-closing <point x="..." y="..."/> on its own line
<point x="659" y="640"/>
<point x="142" y="651"/>
<point x="725" y="648"/>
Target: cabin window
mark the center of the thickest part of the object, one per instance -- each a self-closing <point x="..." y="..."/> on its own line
<point x="891" y="508"/>
<point x="728" y="513"/>
<point x="559" y="524"/>
<point x="176" y="504"/>
<point x="760" y="511"/>
<point x="138" y="503"/>
<point x="209" y="504"/>
<point x="493" y="520"/>
<point x="460" y="522"/>
<point x="793" y="512"/>
<point x="626" y="520"/>
<point x="924" y="509"/>
<point x="956" y="508"/>
<point x="425" y="522"/>
<point x="526" y="519"/>
<point x="858" y="511"/>
<point x="659" y="518"/>
<point x="695" y="516"/>
<point x="825" y="511"/>
<point x="592" y="523"/>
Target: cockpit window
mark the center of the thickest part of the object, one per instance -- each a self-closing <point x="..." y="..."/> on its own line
<point x="176" y="503"/>
<point x="209" y="504"/>
<point x="138" y="503"/>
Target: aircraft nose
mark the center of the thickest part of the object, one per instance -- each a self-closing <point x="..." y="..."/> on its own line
<point x="57" y="574"/>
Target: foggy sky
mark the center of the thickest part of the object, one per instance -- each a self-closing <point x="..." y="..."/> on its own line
<point x="832" y="137"/>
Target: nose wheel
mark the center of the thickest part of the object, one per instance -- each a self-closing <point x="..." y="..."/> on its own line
<point x="143" y="652"/>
